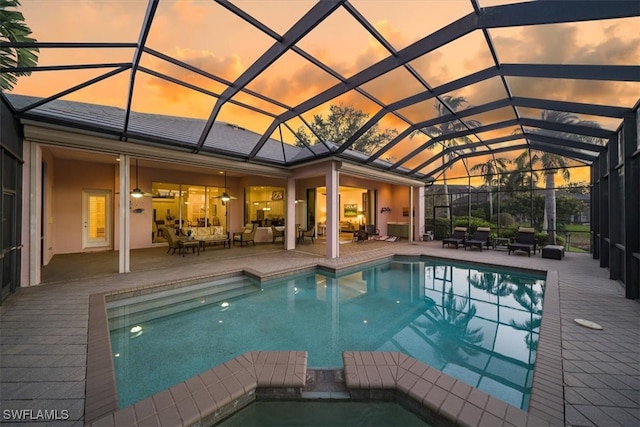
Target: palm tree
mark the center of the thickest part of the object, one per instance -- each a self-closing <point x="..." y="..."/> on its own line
<point x="553" y="163"/>
<point x="443" y="129"/>
<point x="489" y="170"/>
<point x="14" y="30"/>
<point x="521" y="177"/>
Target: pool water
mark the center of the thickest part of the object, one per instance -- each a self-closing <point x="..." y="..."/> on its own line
<point x="476" y="324"/>
<point x="318" y="413"/>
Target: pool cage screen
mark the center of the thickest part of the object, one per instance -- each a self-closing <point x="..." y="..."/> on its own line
<point x="513" y="199"/>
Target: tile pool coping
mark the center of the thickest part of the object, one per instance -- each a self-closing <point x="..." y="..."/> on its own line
<point x="432" y="390"/>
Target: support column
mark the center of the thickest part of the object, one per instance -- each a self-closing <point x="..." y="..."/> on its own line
<point x="615" y="205"/>
<point x="35" y="214"/>
<point x="124" y="244"/>
<point x="412" y="224"/>
<point x="419" y="229"/>
<point x="631" y="225"/>
<point x="290" y="228"/>
<point x="332" y="182"/>
<point x="595" y="208"/>
<point x="604" y="208"/>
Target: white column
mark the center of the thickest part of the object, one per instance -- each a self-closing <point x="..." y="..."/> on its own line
<point x="290" y="226"/>
<point x="412" y="221"/>
<point x="332" y="182"/>
<point x="124" y="215"/>
<point x="35" y="214"/>
<point x="419" y="226"/>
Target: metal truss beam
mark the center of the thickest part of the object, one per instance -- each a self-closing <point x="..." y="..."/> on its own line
<point x="152" y="6"/>
<point x="318" y="13"/>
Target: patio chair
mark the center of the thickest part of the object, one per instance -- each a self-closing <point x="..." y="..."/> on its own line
<point x="276" y="233"/>
<point x="172" y="239"/>
<point x="310" y="233"/>
<point x="457" y="238"/>
<point x="372" y="231"/>
<point x="246" y="236"/>
<point x="524" y="241"/>
<point x="481" y="238"/>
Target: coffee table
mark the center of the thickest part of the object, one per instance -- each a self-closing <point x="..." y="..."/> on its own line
<point x="186" y="244"/>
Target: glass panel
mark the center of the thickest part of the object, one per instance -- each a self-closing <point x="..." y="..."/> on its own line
<point x="264" y="206"/>
<point x="393" y="86"/>
<point x="493" y="116"/>
<point x="102" y="21"/>
<point x="481" y="93"/>
<point x="351" y="104"/>
<point x="182" y="74"/>
<point x="420" y="112"/>
<point x="179" y="207"/>
<point x="352" y="41"/>
<point x="411" y="20"/>
<point x="583" y="91"/>
<point x="271" y="13"/>
<point x="168" y="98"/>
<point x="459" y="58"/>
<point x="609" y="123"/>
<point x="291" y="80"/>
<point x="97" y="218"/>
<point x="569" y="43"/>
<point x="48" y="83"/>
<point x="621" y="146"/>
<point x="178" y="30"/>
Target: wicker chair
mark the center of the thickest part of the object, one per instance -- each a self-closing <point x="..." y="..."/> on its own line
<point x="276" y="233"/>
<point x="246" y="236"/>
<point x="310" y="233"/>
<point x="172" y="239"/>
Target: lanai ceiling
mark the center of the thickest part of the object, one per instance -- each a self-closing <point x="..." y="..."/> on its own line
<point x="245" y="78"/>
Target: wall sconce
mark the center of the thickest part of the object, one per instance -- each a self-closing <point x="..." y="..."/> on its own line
<point x="385" y="209"/>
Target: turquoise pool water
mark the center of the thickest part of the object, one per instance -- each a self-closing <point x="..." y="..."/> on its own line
<point x="476" y="324"/>
<point x="323" y="414"/>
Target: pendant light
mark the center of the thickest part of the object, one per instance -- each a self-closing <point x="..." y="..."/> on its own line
<point x="225" y="196"/>
<point x="137" y="192"/>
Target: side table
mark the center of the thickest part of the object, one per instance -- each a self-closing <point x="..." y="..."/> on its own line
<point x="185" y="244"/>
<point x="501" y="243"/>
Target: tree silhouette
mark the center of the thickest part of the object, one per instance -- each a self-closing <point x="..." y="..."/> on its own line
<point x="14" y="30"/>
<point x="449" y="325"/>
<point x="489" y="170"/>
<point x="339" y="125"/>
<point x="553" y="163"/>
<point x="454" y="104"/>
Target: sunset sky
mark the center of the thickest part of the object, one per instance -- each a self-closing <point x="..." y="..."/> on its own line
<point x="207" y="36"/>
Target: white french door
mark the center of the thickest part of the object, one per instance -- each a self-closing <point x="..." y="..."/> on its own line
<point x="96" y="219"/>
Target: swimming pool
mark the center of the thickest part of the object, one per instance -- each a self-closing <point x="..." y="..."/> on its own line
<point x="475" y="323"/>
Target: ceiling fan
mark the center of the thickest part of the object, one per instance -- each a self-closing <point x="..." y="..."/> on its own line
<point x="137" y="192"/>
<point x="225" y="197"/>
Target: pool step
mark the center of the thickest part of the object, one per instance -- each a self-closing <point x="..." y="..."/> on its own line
<point x="325" y="384"/>
<point x="142" y="308"/>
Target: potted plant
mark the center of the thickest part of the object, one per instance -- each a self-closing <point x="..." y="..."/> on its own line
<point x="189" y="234"/>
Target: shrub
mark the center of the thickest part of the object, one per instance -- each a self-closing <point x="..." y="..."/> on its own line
<point x="543" y="239"/>
<point x="506" y="219"/>
<point x="471" y="223"/>
<point x="479" y="213"/>
<point x="442" y="228"/>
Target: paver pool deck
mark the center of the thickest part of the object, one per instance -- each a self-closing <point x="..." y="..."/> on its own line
<point x="44" y="329"/>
